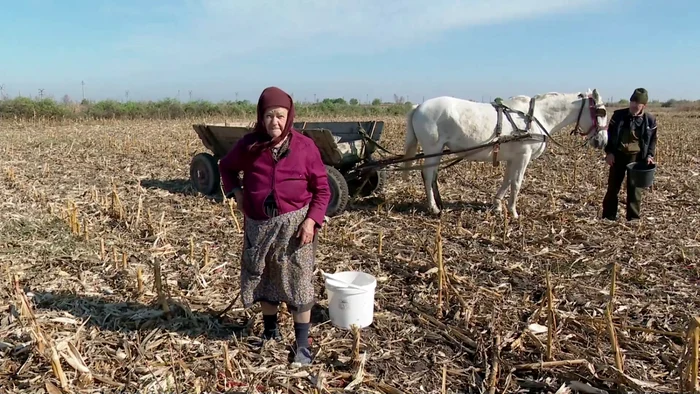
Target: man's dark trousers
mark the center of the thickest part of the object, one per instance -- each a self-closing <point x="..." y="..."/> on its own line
<point x="615" y="178"/>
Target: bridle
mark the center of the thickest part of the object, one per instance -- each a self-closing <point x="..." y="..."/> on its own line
<point x="595" y="110"/>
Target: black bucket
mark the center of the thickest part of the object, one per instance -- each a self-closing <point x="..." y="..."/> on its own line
<point x="641" y="174"/>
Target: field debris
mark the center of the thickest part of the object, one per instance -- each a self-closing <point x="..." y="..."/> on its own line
<point x="114" y="272"/>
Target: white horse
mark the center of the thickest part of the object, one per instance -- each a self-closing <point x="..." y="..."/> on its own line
<point x="464" y="125"/>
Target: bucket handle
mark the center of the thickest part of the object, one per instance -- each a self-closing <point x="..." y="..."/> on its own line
<point x="340" y="283"/>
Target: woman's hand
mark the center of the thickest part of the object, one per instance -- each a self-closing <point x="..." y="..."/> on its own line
<point x="610" y="159"/>
<point x="238" y="197"/>
<point x="306" y="231"/>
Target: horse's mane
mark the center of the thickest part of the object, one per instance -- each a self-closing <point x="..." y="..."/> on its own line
<point x="523" y="97"/>
<point x="526" y="99"/>
<point x="548" y="94"/>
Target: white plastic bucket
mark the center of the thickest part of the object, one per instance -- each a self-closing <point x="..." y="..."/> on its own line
<point x="351" y="305"/>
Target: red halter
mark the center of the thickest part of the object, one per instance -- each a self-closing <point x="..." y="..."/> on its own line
<point x="595" y="110"/>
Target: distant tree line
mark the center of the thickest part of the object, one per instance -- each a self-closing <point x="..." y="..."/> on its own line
<point x="48" y="108"/>
<point x="672" y="103"/>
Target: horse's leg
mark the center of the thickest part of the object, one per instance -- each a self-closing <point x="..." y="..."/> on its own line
<point x="501" y="192"/>
<point x="430" y="182"/>
<point x="519" y="165"/>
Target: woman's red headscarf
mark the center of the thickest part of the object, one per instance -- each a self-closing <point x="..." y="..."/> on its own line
<point x="272" y="97"/>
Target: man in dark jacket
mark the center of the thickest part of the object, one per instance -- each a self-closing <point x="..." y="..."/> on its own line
<point x="631" y="137"/>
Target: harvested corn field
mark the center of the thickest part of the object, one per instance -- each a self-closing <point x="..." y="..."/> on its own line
<point x="114" y="270"/>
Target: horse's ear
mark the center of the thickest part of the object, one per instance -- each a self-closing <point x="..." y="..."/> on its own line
<point x="596" y="95"/>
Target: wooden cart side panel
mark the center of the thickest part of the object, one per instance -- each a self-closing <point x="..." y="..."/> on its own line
<point x="349" y="144"/>
<point x="347" y="131"/>
<point x="205" y="136"/>
<point x="326" y="144"/>
<point x="221" y="138"/>
<point x="339" y="143"/>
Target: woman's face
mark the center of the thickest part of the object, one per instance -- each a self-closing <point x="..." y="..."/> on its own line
<point x="275" y="119"/>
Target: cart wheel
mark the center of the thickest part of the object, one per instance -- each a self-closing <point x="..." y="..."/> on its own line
<point x="204" y="173"/>
<point x="339" y="192"/>
<point x="373" y="182"/>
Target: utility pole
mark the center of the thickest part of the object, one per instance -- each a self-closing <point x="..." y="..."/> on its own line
<point x="2" y="91"/>
<point x="82" y="84"/>
<point x="41" y="93"/>
<point x="190" y="92"/>
<point x="127" y="95"/>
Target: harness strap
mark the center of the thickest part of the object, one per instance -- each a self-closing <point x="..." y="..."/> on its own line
<point x="530" y="115"/>
<point x="392" y="161"/>
<point x="544" y="129"/>
<point x="499" y="119"/>
<point x="496" y="149"/>
<point x="501" y="110"/>
<point x="499" y="129"/>
<point x="580" y="112"/>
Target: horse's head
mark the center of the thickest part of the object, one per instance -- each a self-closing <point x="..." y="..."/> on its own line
<point x="593" y="122"/>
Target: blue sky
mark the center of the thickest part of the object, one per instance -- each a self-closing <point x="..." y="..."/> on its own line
<point x="338" y="48"/>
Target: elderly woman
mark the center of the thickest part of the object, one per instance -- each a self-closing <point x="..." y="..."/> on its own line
<point x="283" y="196"/>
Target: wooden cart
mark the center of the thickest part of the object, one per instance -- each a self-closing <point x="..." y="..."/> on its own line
<point x="344" y="146"/>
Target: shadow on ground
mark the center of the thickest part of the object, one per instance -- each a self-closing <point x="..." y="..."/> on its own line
<point x="184" y="187"/>
<point x="371" y="204"/>
<point x="129" y="316"/>
<point x="177" y="186"/>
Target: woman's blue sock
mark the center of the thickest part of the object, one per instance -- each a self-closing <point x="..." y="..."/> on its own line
<point x="301" y="332"/>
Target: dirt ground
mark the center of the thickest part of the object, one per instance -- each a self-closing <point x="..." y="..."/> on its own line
<point x="84" y="261"/>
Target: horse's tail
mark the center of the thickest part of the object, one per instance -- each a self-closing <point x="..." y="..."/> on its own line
<point x="411" y="143"/>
